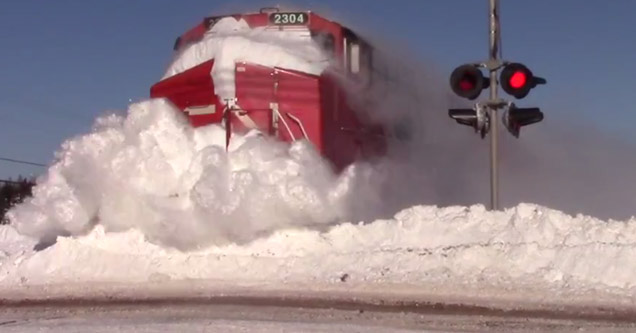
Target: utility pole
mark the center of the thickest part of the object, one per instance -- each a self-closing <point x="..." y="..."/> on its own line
<point x="516" y="79"/>
<point x="494" y="144"/>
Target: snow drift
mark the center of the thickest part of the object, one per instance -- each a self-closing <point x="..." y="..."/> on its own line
<point x="461" y="251"/>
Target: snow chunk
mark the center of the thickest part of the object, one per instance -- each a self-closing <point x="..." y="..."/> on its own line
<point x="12" y="242"/>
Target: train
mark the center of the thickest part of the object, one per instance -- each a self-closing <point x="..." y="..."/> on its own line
<point x="293" y="75"/>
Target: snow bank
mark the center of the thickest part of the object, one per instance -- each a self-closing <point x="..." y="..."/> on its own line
<point x="525" y="247"/>
<point x="230" y="41"/>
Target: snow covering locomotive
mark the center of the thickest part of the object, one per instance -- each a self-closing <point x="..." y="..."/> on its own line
<point x="287" y="74"/>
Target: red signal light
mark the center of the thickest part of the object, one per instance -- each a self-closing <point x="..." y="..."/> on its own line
<point x="467" y="81"/>
<point x="518" y="79"/>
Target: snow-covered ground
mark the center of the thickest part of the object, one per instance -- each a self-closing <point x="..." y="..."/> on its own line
<point x="530" y="252"/>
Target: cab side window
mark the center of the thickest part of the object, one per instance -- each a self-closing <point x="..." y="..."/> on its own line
<point x="357" y="57"/>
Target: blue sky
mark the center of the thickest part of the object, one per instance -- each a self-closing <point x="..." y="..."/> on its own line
<point x="64" y="62"/>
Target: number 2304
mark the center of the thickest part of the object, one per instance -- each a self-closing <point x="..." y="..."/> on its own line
<point x="289" y="18"/>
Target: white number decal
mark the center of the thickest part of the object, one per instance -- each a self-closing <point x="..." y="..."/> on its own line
<point x="289" y="18"/>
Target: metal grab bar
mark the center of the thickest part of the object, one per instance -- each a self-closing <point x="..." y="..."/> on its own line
<point x="227" y="120"/>
<point x="228" y="109"/>
<point x="284" y="123"/>
<point x="300" y="124"/>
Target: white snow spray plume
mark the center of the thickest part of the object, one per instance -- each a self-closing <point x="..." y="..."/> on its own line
<point x="149" y="170"/>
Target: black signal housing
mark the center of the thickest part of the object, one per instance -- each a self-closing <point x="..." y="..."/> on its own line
<point x="515" y="118"/>
<point x="467" y="81"/>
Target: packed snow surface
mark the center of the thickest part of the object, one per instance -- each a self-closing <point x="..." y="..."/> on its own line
<point x="145" y="197"/>
<point x="230" y="41"/>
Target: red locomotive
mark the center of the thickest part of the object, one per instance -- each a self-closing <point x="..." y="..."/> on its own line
<point x="262" y="71"/>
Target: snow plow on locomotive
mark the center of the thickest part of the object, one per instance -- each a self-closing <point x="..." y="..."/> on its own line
<point x="287" y="74"/>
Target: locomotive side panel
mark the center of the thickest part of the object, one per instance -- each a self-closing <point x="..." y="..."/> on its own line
<point x="254" y="95"/>
<point x="193" y="92"/>
<point x="298" y="102"/>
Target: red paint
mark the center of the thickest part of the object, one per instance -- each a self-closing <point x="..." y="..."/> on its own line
<point x="193" y="87"/>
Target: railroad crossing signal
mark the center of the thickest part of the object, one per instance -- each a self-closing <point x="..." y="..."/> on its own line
<point x="516" y="79"/>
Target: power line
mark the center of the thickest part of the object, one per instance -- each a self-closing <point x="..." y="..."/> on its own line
<point x="12" y="181"/>
<point x="22" y="162"/>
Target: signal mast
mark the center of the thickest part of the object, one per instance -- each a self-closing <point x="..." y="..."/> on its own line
<point x="517" y="80"/>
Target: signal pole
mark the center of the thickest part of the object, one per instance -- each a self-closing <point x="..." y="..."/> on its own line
<point x="493" y="66"/>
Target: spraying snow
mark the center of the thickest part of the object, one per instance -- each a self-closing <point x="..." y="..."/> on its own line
<point x="152" y="171"/>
